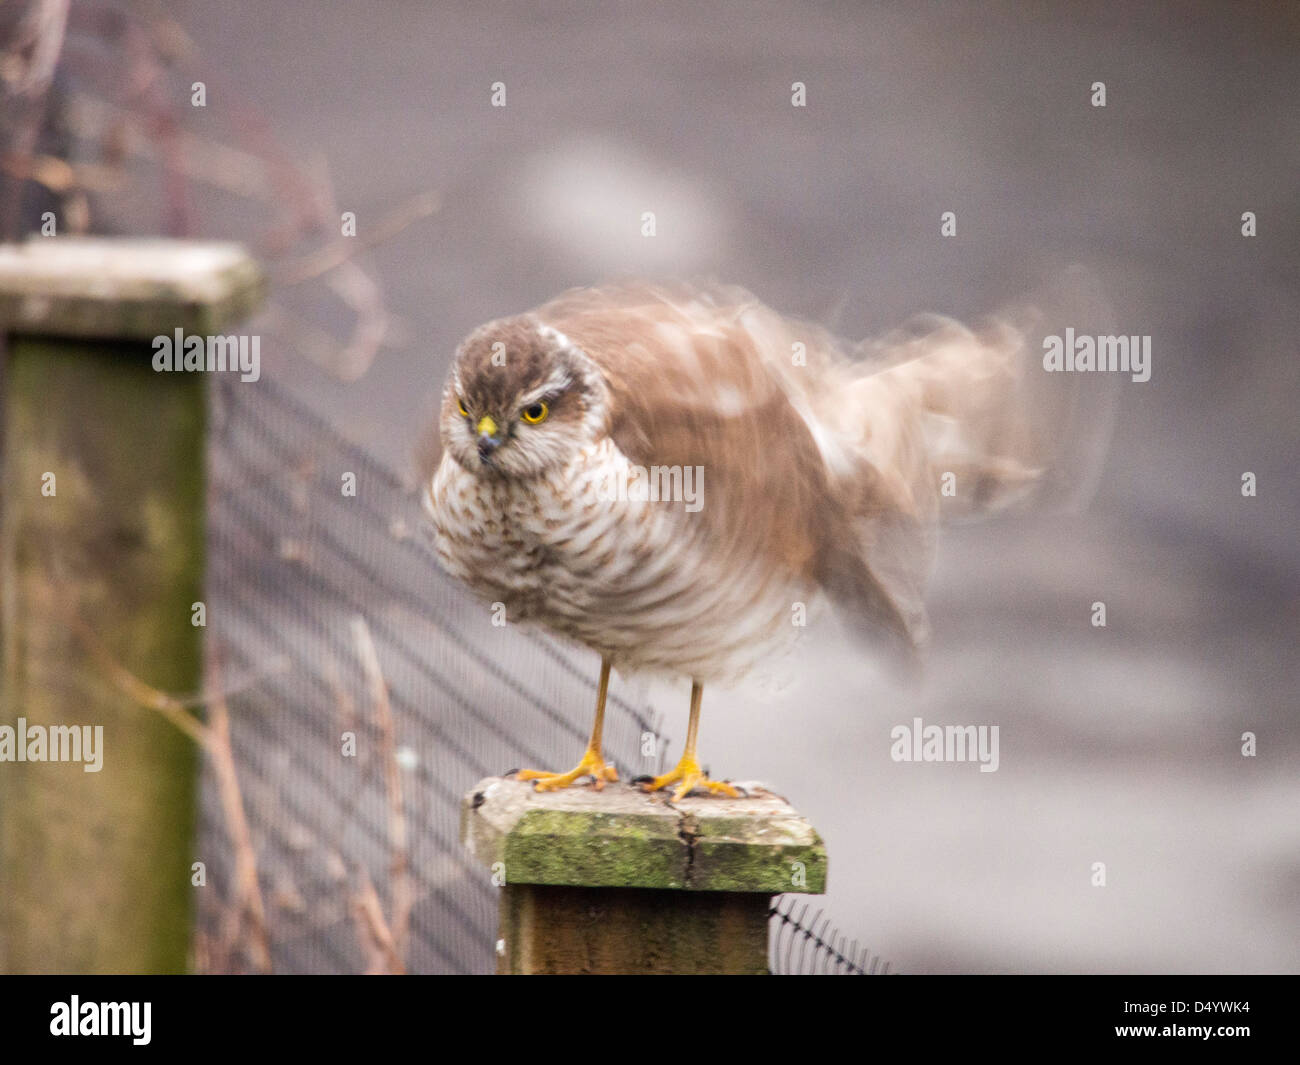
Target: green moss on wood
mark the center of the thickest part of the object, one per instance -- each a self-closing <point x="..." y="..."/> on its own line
<point x="622" y="838"/>
<point x="552" y="847"/>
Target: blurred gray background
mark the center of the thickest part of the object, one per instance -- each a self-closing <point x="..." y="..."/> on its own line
<point x="1118" y="745"/>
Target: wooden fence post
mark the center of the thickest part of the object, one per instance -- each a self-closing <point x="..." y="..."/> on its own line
<point x="101" y="562"/>
<point x="619" y="881"/>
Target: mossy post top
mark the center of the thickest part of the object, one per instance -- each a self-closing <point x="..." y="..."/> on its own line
<point x="623" y="837"/>
<point x="125" y="289"/>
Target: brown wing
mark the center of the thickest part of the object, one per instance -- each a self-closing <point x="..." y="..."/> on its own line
<point x="704" y="377"/>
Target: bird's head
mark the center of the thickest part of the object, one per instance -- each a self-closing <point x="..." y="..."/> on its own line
<point x="520" y="401"/>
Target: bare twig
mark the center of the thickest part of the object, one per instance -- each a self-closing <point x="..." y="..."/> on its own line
<point x="135" y="108"/>
<point x="40" y="35"/>
<point x="321" y="261"/>
<point x="174" y="708"/>
<point x="245" y="917"/>
<point x="376" y="937"/>
<point x="401" y="891"/>
<point x="247" y="910"/>
<point x="37" y="48"/>
<point x="171" y="708"/>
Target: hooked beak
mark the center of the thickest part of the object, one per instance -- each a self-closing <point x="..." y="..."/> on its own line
<point x="489" y="437"/>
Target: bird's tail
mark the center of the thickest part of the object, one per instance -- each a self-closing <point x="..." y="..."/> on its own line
<point x="960" y="422"/>
<point x="938" y="421"/>
<point x="956" y="422"/>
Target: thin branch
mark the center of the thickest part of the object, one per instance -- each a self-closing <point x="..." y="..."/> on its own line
<point x="401" y="890"/>
<point x="41" y="34"/>
<point x="321" y="261"/>
<point x="376" y="937"/>
<point x="171" y="708"/>
<point x="248" y="910"/>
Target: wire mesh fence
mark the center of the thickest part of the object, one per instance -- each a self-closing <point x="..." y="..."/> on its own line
<point x="803" y="945"/>
<point x="366" y="693"/>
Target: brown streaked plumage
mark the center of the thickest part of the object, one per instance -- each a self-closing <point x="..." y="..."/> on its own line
<point x="821" y="475"/>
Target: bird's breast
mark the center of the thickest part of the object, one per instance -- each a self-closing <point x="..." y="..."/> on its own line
<point x="543" y="545"/>
<point x="642" y="581"/>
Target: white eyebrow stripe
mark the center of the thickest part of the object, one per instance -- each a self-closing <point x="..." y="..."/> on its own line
<point x="559" y="381"/>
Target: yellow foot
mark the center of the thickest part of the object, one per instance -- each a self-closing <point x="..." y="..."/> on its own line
<point x="592" y="765"/>
<point x="687" y="776"/>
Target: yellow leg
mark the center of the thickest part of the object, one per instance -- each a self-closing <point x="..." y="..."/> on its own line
<point x="592" y="764"/>
<point x="687" y="774"/>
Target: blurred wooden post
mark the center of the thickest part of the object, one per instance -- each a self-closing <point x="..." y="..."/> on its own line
<point x="95" y="866"/>
<point x="621" y="882"/>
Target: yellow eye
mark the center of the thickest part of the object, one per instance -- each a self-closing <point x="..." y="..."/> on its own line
<point x="535" y="413"/>
<point x="460" y="406"/>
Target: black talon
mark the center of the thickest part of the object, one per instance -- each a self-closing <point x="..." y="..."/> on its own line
<point x="512" y="772"/>
<point x="642" y="780"/>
